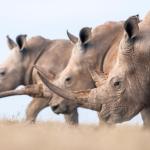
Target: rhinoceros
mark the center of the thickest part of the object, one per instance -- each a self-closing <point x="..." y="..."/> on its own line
<point x="124" y="92"/>
<point x="18" y="68"/>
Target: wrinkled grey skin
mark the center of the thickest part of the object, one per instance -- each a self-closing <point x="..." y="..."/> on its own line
<point x="125" y="92"/>
<point x="16" y="70"/>
<point x="89" y="51"/>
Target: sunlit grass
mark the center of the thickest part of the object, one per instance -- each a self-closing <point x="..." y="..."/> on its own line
<point x="15" y="135"/>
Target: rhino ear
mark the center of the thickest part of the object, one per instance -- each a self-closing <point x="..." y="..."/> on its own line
<point x="11" y="44"/>
<point x="21" y="41"/>
<point x="72" y="38"/>
<point x="85" y="34"/>
<point x="131" y="26"/>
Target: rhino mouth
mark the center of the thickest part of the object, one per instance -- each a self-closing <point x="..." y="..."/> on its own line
<point x="118" y="113"/>
<point x="113" y="115"/>
<point x="114" y="112"/>
<point x="61" y="109"/>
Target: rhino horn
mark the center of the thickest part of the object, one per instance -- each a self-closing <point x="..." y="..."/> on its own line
<point x="32" y="90"/>
<point x="99" y="79"/>
<point x="50" y="75"/>
<point x="81" y="98"/>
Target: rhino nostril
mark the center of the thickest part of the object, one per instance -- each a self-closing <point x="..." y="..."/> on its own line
<point x="55" y="107"/>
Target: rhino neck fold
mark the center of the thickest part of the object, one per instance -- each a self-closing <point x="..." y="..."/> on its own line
<point x="108" y="57"/>
<point x="32" y="61"/>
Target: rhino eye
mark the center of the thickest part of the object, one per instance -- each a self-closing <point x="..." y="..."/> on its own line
<point x="68" y="81"/>
<point x="116" y="82"/>
<point x="2" y="72"/>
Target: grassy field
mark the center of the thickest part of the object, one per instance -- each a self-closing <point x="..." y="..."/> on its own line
<point x="58" y="136"/>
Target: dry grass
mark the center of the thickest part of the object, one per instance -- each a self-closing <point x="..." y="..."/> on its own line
<point x="57" y="136"/>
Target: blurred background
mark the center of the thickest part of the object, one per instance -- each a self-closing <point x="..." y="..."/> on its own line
<point x="51" y="19"/>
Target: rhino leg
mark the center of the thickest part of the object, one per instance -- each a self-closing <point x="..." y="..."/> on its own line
<point x="145" y="113"/>
<point x="101" y="122"/>
<point x="36" y="105"/>
<point x="72" y="118"/>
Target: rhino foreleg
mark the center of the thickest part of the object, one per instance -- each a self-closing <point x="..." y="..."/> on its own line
<point x="38" y="104"/>
<point x="145" y="113"/>
<point x="72" y="119"/>
<point x="35" y="106"/>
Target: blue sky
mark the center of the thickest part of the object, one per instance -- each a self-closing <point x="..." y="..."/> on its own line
<point x="51" y="19"/>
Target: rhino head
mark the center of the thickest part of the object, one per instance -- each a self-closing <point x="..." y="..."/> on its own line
<point x="17" y="69"/>
<point x="129" y="81"/>
<point x="75" y="76"/>
<point x="125" y="92"/>
<point x="12" y="69"/>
